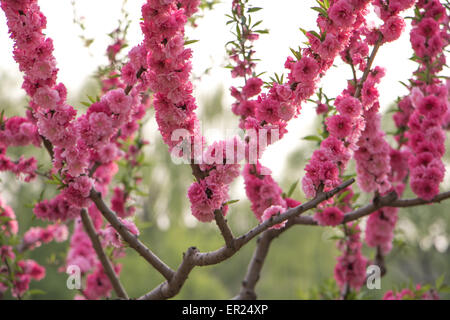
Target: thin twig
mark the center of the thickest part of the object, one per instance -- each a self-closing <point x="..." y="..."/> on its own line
<point x="106" y="263"/>
<point x="369" y="65"/>
<point x="138" y="75"/>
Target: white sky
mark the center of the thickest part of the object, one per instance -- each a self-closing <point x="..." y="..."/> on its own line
<point x="282" y="17"/>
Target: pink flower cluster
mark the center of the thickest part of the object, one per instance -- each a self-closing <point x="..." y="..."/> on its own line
<point x="380" y="229"/>
<point x="16" y="272"/>
<point x="330" y="216"/>
<point x="262" y="191"/>
<point x="351" y="265"/>
<point x="282" y="102"/>
<point x="58" y="208"/>
<point x="426" y="140"/>
<point x="334" y="152"/>
<point x="18" y="131"/>
<point x="8" y="225"/>
<point x="429" y="99"/>
<point x="79" y="143"/>
<point x="98" y="284"/>
<point x="168" y="77"/>
<point x="388" y="11"/>
<point x="408" y="294"/>
<point x="36" y="236"/>
<point x="427" y="37"/>
<point x="27" y="269"/>
<point x="81" y="252"/>
<point x="373" y="155"/>
<point x="169" y="66"/>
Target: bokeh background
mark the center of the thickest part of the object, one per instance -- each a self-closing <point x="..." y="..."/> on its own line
<point x="300" y="263"/>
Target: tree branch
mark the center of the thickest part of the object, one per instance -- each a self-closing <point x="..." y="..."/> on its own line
<point x="389" y="200"/>
<point x="369" y="65"/>
<point x="247" y="291"/>
<point x="194" y="258"/>
<point x="138" y="75"/>
<point x="254" y="268"/>
<point x="130" y="238"/>
<point x="225" y="230"/>
<point x="106" y="263"/>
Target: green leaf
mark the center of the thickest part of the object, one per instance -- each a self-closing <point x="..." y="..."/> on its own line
<point x="188" y="42"/>
<point x="292" y="188"/>
<point x="343" y="195"/>
<point x="230" y="202"/>
<point x="322" y="11"/>
<point x="35" y="292"/>
<point x="440" y="281"/>
<point x="254" y="9"/>
<point x="312" y="138"/>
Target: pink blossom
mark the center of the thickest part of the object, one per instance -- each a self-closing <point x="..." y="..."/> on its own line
<point x="273" y="211"/>
<point x="330" y="216"/>
<point x="349" y="106"/>
<point x="341" y="13"/>
<point x="392" y="28"/>
<point x="306" y="69"/>
<point x="339" y="126"/>
<point x="252" y="87"/>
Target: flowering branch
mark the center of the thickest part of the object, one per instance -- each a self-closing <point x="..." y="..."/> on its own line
<point x="368" y="67"/>
<point x="193" y="257"/>
<point x="390" y="200"/>
<point x="106" y="263"/>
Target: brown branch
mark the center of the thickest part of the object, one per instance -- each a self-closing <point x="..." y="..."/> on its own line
<point x="130" y="238"/>
<point x="254" y="268"/>
<point x="106" y="263"/>
<point x="389" y="200"/>
<point x="369" y="65"/>
<point x="194" y="258"/>
<point x="138" y="75"/>
<point x="48" y="146"/>
<point x="225" y="230"/>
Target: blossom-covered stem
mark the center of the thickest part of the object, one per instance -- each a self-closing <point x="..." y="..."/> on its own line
<point x="106" y="263"/>
<point x="194" y="258"/>
<point x="130" y="238"/>
<point x="218" y="214"/>
<point x="224" y="228"/>
<point x="389" y="200"/>
<point x="368" y="67"/>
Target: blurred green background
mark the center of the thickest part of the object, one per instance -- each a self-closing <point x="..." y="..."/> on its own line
<point x="300" y="263"/>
